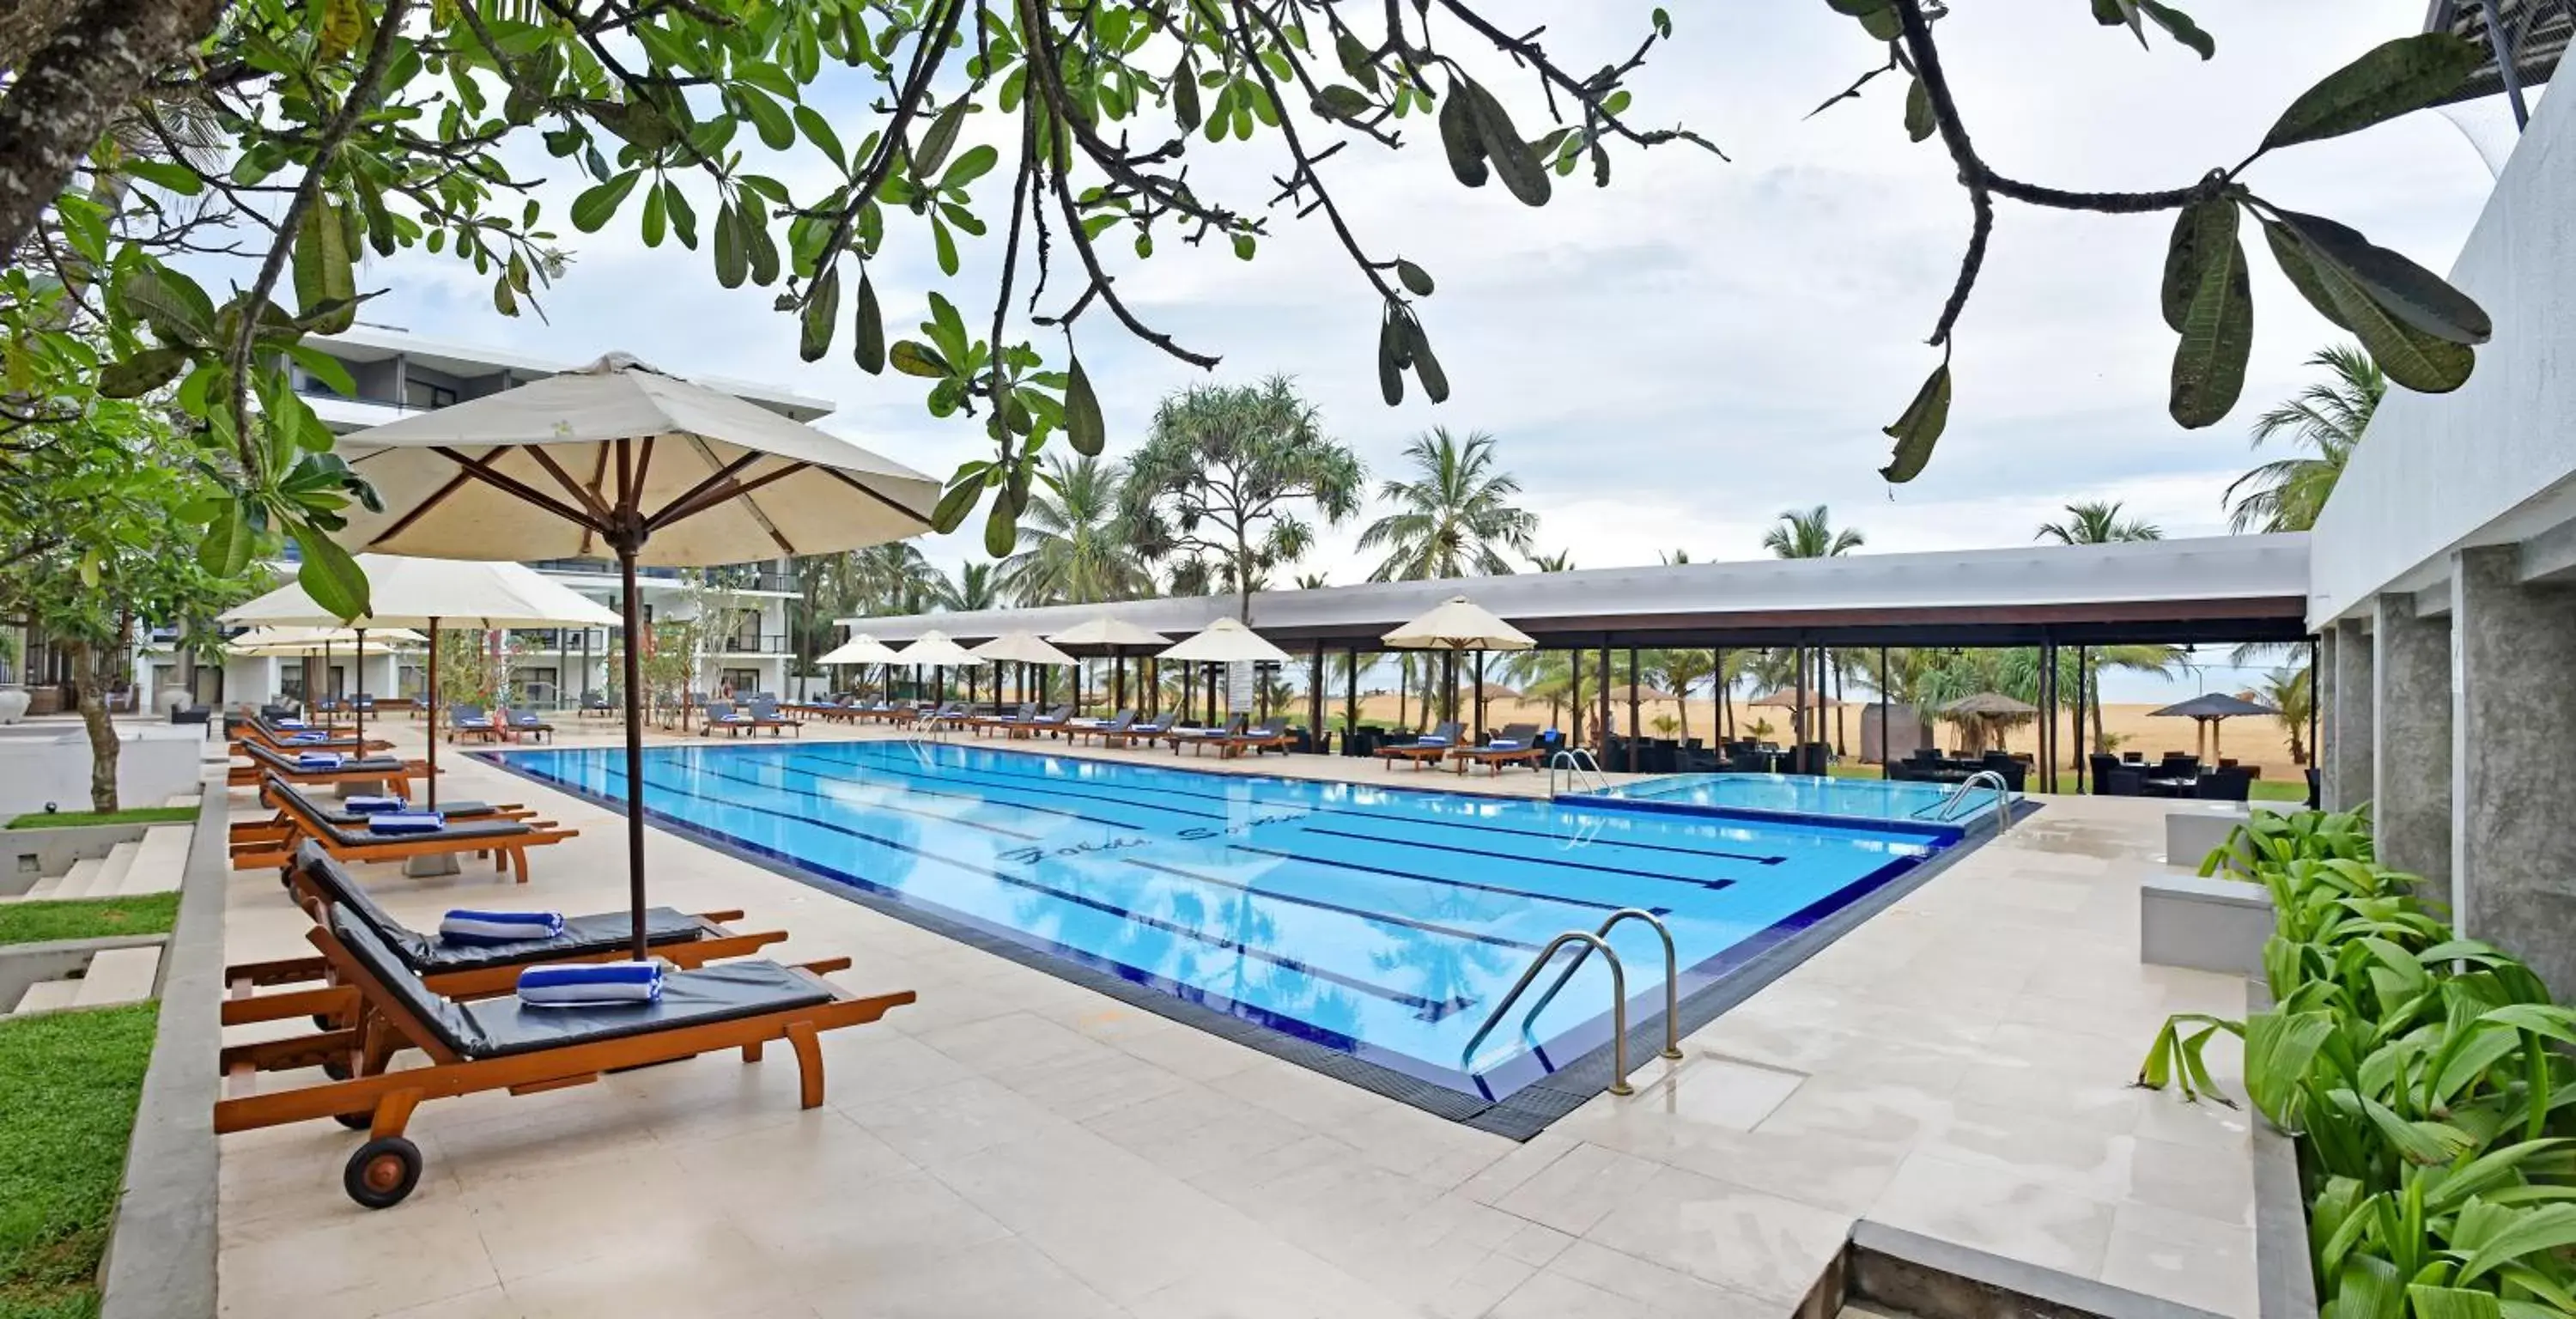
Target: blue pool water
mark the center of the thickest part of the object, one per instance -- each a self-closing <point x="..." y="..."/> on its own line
<point x="1385" y="922"/>
<point x="1805" y="796"/>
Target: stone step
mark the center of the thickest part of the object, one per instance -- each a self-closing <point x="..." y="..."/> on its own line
<point x="46" y="995"/>
<point x="160" y="861"/>
<point x="42" y="889"/>
<point x="119" y="975"/>
<point x="113" y="870"/>
<point x="77" y="880"/>
<point x="184" y="798"/>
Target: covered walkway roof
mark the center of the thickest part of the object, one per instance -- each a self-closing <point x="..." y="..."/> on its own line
<point x="2223" y="589"/>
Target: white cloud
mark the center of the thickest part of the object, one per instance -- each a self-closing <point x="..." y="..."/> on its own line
<point x="1672" y="361"/>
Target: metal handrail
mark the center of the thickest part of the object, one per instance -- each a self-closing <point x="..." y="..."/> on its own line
<point x="1576" y="762"/>
<point x="2003" y="797"/>
<point x="1618" y="1005"/>
<point x="1672" y="976"/>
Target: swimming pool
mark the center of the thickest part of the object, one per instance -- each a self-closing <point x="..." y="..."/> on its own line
<point x="1806" y="797"/>
<point x="1382" y="922"/>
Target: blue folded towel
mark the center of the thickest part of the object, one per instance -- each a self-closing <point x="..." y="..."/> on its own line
<point x="1427" y="740"/>
<point x="407" y="822"/>
<point x="590" y="984"/>
<point x="1504" y="744"/>
<point x="372" y="805"/>
<point x="317" y="760"/>
<point x="525" y="720"/>
<point x="288" y="723"/>
<point x="306" y="739"/>
<point x="484" y="929"/>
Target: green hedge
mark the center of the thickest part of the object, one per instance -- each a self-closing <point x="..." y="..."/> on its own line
<point x="2424" y="1076"/>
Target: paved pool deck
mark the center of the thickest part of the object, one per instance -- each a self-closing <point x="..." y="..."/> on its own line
<point x="1016" y="1145"/>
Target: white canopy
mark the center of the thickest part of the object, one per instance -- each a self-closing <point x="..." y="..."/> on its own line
<point x="1458" y="624"/>
<point x="713" y="479"/>
<point x="1226" y="641"/>
<point x="1106" y="630"/>
<point x="935" y="648"/>
<point x="1022" y="647"/>
<point x="311" y="640"/>
<point x="861" y="649"/>
<point x="409" y="592"/>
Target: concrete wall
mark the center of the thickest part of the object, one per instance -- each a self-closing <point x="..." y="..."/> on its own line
<point x="49" y="762"/>
<point x="2439" y="471"/>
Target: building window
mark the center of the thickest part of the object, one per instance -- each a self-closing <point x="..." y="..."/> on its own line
<point x="741" y="682"/>
<point x="422" y="394"/>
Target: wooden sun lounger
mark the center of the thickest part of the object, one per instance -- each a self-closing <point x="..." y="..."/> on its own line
<point x="1195" y="738"/>
<point x="1149" y="732"/>
<point x="1268" y="737"/>
<point x="320" y="885"/>
<point x="1423" y="754"/>
<point x="279" y="827"/>
<point x="395" y="774"/>
<point x="1526" y="750"/>
<point x="501" y="1044"/>
<point x="265" y="733"/>
<point x="505" y="841"/>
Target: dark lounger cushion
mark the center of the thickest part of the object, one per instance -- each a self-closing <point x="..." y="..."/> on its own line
<point x="599" y="932"/>
<point x="499" y="1026"/>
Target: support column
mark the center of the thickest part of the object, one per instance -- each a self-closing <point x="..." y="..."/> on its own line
<point x="2348" y="775"/>
<point x="2513" y="761"/>
<point x="2411" y="793"/>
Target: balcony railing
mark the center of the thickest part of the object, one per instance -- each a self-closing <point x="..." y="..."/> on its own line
<point x="754" y="643"/>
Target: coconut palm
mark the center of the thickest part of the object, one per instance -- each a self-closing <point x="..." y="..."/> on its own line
<point x="1561" y="561"/>
<point x="2098" y="522"/>
<point x="894" y="579"/>
<point x="1678" y="670"/>
<point x="1074" y="548"/>
<point x="1217" y="483"/>
<point x="1454" y="515"/>
<point x="1810" y="535"/>
<point x="2293" y="694"/>
<point x="976" y="586"/>
<point x="2327" y="417"/>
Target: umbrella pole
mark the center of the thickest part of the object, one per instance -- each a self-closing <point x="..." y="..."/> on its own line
<point x="634" y="752"/>
<point x="432" y="697"/>
<point x="357" y="711"/>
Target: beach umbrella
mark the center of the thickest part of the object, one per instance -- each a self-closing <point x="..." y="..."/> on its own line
<point x="933" y="650"/>
<point x="2208" y="712"/>
<point x="1114" y="635"/>
<point x="861" y="649"/>
<point x="408" y="592"/>
<point x="313" y="639"/>
<point x="1021" y="648"/>
<point x="620" y="460"/>
<point x="1226" y="641"/>
<point x="1454" y="625"/>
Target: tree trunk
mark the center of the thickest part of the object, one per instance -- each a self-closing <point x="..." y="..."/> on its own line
<point x="103" y="746"/>
<point x="88" y="69"/>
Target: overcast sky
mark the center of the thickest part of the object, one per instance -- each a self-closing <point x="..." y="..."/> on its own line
<point x="1671" y="362"/>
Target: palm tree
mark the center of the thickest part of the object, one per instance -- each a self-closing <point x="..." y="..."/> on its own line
<point x="2291" y="692"/>
<point x="1454" y="516"/>
<point x="1678" y="670"/>
<point x="976" y="586"/>
<point x="1310" y="581"/>
<point x="1670" y="557"/>
<point x="2097" y="522"/>
<point x="2286" y="494"/>
<point x="1218" y="478"/>
<point x="1074" y="548"/>
<point x="1561" y="561"/>
<point x="1810" y="535"/>
<point x="895" y="579"/>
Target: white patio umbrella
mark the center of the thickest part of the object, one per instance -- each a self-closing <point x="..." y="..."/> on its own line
<point x="407" y="592"/>
<point x="1457" y="624"/>
<point x="1023" y="648"/>
<point x="620" y="459"/>
<point x="1226" y="641"/>
<point x="1115" y="635"/>
<point x="933" y="650"/>
<point x="860" y="649"/>
<point x="317" y="638"/>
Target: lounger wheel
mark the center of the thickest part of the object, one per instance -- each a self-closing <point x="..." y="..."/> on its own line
<point x="337" y="1068"/>
<point x="382" y="1172"/>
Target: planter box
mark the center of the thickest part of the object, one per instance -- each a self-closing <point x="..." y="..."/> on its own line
<point x="2203" y="924"/>
<point x="2192" y="834"/>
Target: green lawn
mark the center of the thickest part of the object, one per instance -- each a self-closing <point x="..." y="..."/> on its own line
<point x="74" y="819"/>
<point x="87" y="918"/>
<point x="69" y="1082"/>
<point x="2279" y="790"/>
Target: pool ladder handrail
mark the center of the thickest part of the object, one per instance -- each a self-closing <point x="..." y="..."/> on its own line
<point x="1598" y="938"/>
<point x="1576" y="762"/>
<point x="2003" y="797"/>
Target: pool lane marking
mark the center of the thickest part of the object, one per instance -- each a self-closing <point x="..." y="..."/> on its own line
<point x="966" y="776"/>
<point x="1426" y="1009"/>
<point x="1420" y="879"/>
<point x="901" y="810"/>
<point x="907" y="783"/>
<point x="1407" y="816"/>
<point x="1712" y="885"/>
<point x="1430" y="927"/>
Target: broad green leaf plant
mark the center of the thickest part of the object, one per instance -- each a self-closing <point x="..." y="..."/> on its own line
<point x="2420" y="330"/>
<point x="2426" y="1078"/>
